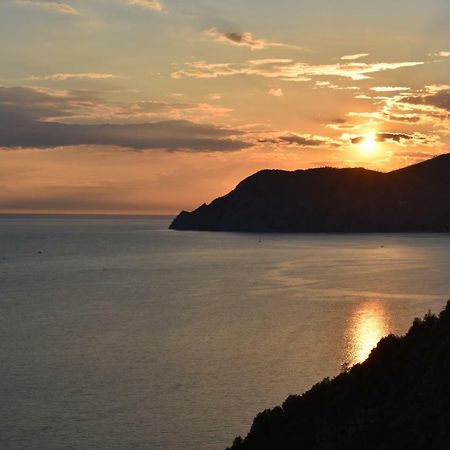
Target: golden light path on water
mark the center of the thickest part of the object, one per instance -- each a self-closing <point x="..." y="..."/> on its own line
<point x="368" y="324"/>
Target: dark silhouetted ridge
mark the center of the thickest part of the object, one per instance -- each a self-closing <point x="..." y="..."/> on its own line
<point x="413" y="199"/>
<point x="398" y="399"/>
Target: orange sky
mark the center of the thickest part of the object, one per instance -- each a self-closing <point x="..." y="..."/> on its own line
<point x="153" y="106"/>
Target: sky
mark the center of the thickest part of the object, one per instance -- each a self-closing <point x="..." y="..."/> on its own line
<point x="152" y="107"/>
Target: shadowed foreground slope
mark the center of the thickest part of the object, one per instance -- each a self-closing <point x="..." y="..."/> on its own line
<point x="399" y="398"/>
<point x="416" y="198"/>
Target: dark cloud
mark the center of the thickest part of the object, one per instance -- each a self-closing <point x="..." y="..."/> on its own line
<point x="440" y="100"/>
<point x="242" y="39"/>
<point x="41" y="104"/>
<point x="28" y="118"/>
<point x="396" y="137"/>
<point x="236" y="37"/>
<point x="169" y="135"/>
<point x="302" y="140"/>
<point x="299" y="140"/>
<point x="408" y="118"/>
<point x="382" y="137"/>
<point x="339" y="124"/>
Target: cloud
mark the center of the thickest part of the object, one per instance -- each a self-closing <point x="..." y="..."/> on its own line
<point x="389" y="89"/>
<point x="31" y="118"/>
<point x="55" y="6"/>
<point x="202" y="69"/>
<point x="329" y="85"/>
<point x="407" y="118"/>
<point x="154" y="5"/>
<point x="269" y="61"/>
<point x="354" y="57"/>
<point x="287" y="70"/>
<point x="439" y="99"/>
<point x="341" y="125"/>
<point x="427" y="107"/>
<point x="73" y="76"/>
<point x="242" y="39"/>
<point x="298" y="140"/>
<point x="169" y="135"/>
<point x="81" y="106"/>
<point x="42" y="104"/>
<point x="400" y="138"/>
<point x="442" y="54"/>
<point x="382" y="137"/>
<point x="276" y="92"/>
<point x="305" y="140"/>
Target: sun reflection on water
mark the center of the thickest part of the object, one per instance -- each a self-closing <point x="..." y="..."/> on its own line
<point x="369" y="323"/>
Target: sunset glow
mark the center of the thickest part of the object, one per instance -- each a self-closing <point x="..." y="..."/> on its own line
<point x="368" y="325"/>
<point x="207" y="207"/>
<point x="150" y="106"/>
<point x="369" y="145"/>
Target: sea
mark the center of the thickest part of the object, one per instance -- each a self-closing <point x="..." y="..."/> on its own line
<point x="117" y="333"/>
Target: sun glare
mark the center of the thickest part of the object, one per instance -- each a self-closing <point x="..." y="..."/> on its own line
<point x="370" y="322"/>
<point x="368" y="145"/>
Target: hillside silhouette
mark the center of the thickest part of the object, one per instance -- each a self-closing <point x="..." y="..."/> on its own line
<point x="397" y="399"/>
<point x="413" y="199"/>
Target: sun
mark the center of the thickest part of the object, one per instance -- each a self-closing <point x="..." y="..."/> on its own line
<point x="368" y="145"/>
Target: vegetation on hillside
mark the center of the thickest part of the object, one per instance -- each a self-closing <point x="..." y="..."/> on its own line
<point x="399" y="398"/>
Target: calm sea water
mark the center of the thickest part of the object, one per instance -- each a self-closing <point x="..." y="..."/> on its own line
<point x="117" y="333"/>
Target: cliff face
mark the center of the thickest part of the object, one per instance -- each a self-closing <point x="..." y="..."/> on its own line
<point x="416" y="198"/>
<point x="397" y="399"/>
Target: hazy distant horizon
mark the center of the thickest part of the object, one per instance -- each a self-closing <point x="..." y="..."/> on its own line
<point x="130" y="213"/>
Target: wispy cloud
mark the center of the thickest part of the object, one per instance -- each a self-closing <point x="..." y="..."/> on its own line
<point x="242" y="39"/>
<point x="428" y="107"/>
<point x="354" y="57"/>
<point x="442" y="54"/>
<point x="297" y="140"/>
<point x="74" y="76"/>
<point x="405" y="118"/>
<point x="202" y="69"/>
<point x="389" y="88"/>
<point x="276" y="92"/>
<point x="435" y="96"/>
<point x="288" y="70"/>
<point x="154" y="5"/>
<point x="60" y="7"/>
<point x="81" y="106"/>
<point x="329" y="85"/>
<point x="410" y="139"/>
<point x="308" y="140"/>
<point x="42" y="118"/>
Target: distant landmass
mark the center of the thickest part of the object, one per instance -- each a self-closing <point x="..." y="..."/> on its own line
<point x="413" y="199"/>
<point x="397" y="399"/>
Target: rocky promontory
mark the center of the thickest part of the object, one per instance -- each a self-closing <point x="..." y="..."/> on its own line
<point x="413" y="199"/>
